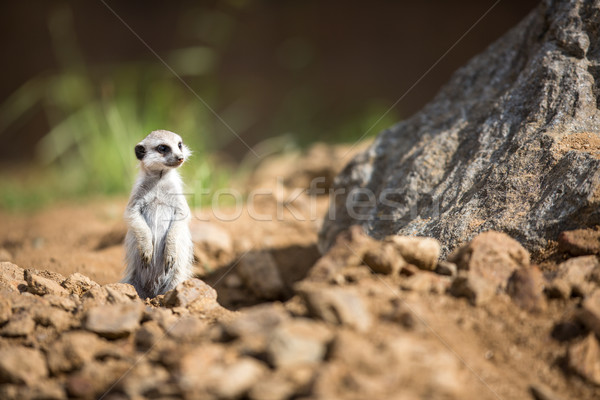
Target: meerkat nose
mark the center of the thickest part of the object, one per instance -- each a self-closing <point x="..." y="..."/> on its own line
<point x="180" y="158"/>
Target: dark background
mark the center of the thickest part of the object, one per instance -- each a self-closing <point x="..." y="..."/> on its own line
<point x="311" y="69"/>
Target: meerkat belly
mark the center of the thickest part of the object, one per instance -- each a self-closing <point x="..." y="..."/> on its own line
<point x="159" y="216"/>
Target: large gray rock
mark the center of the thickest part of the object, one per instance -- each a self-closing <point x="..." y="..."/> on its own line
<point x="511" y="143"/>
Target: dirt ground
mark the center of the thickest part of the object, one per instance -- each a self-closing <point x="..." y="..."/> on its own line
<point x="496" y="350"/>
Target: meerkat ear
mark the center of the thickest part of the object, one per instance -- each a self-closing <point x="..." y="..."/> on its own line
<point x="140" y="151"/>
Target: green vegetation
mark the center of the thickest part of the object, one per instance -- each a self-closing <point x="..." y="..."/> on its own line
<point x="98" y="113"/>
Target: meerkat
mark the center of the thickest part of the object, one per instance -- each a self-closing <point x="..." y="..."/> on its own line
<point x="158" y="244"/>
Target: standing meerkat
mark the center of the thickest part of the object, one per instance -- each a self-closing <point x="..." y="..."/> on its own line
<point x="158" y="244"/>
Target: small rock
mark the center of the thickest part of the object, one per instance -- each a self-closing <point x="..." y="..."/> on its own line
<point x="580" y="242"/>
<point x="423" y="252"/>
<point x="65" y="303"/>
<point x="337" y="305"/>
<point x="207" y="369"/>
<point x="584" y="358"/>
<point x="348" y="249"/>
<point x="120" y="292"/>
<point x="541" y="392"/>
<point x="11" y="276"/>
<point x="21" y="365"/>
<point x="188" y="329"/>
<point x="474" y="288"/>
<point x="253" y="327"/>
<point x="72" y="350"/>
<point x="298" y="341"/>
<point x="19" y="325"/>
<point x="39" y="285"/>
<point x="590" y="312"/>
<point x="426" y="282"/>
<point x="446" y="268"/>
<point x="78" y="283"/>
<point x="260" y="274"/>
<point x="113" y="321"/>
<point x="383" y="259"/>
<point x="94" y="297"/>
<point x="493" y="256"/>
<point x="51" y="316"/>
<point x="96" y="378"/>
<point x="148" y="335"/>
<point x="526" y="288"/>
<point x="575" y="277"/>
<point x="142" y="378"/>
<point x="285" y="384"/>
<point x="193" y="294"/>
<point x="5" y="310"/>
<point x="163" y="316"/>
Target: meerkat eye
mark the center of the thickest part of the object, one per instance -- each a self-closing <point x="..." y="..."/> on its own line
<point x="180" y="146"/>
<point x="163" y="149"/>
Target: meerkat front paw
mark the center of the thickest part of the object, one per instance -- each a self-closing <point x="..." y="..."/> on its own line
<point x="146" y="253"/>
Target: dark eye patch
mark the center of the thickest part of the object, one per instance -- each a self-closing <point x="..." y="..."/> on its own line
<point x="180" y="146"/>
<point x="163" y="149"/>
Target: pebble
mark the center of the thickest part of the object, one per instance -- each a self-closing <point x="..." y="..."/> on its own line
<point x="114" y="321"/>
<point x="21" y="365"/>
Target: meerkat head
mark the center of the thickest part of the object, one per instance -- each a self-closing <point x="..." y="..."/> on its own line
<point x="161" y="150"/>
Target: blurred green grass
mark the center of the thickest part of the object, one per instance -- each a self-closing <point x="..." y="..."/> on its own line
<point x="98" y="113"/>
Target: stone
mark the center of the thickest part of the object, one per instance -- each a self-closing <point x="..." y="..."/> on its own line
<point x="94" y="297"/>
<point x="384" y="259"/>
<point x="426" y="282"/>
<point x="526" y="289"/>
<point x="142" y="378"/>
<point x="21" y="365"/>
<point x="120" y="292"/>
<point x="590" y="312"/>
<point x="286" y="383"/>
<point x="51" y="316"/>
<point x="542" y="392"/>
<point x="420" y="251"/>
<point x="148" y="335"/>
<point x="446" y="268"/>
<point x="492" y="255"/>
<point x="96" y="378"/>
<point x="348" y="249"/>
<point x="580" y="242"/>
<point x="72" y="350"/>
<point x="193" y="294"/>
<point x="41" y="286"/>
<point x="20" y="324"/>
<point x="339" y="306"/>
<point x="260" y="274"/>
<point x="575" y="277"/>
<point x="42" y="389"/>
<point x="253" y="327"/>
<point x="474" y="288"/>
<point x="511" y="143"/>
<point x="78" y="283"/>
<point x="65" y="303"/>
<point x="114" y="321"/>
<point x="208" y="370"/>
<point x="584" y="359"/>
<point x="296" y="342"/>
<point x="188" y="329"/>
<point x="5" y="309"/>
<point x="11" y="276"/>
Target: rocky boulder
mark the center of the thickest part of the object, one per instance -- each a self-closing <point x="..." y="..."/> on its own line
<point x="511" y="143"/>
